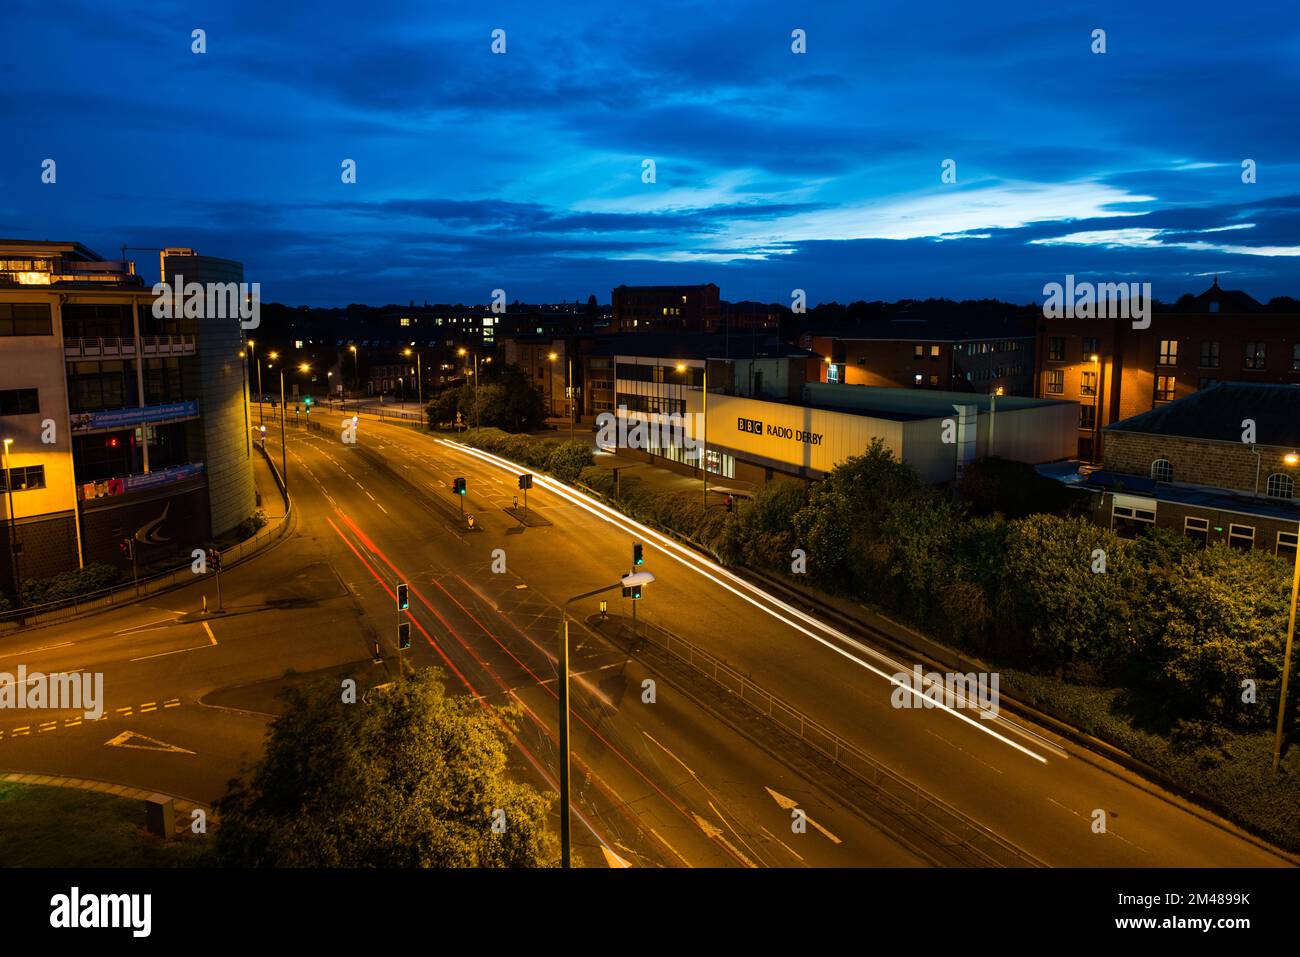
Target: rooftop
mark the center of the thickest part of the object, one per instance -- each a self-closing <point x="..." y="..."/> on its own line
<point x="1217" y="414"/>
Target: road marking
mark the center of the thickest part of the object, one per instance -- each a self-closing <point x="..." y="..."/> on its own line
<point x="47" y="726"/>
<point x="32" y="651"/>
<point x="164" y="654"/>
<point x="124" y="712"/>
<point x="211" y="636"/>
<point x="148" y="706"/>
<point x="781" y="842"/>
<point x="715" y="834"/>
<point x="173" y="703"/>
<point x="612" y="859"/>
<point x="671" y="848"/>
<point x="125" y="739"/>
<point x="163" y="622"/>
<point x="790" y="804"/>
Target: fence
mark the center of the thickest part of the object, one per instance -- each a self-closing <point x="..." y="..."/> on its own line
<point x="182" y="574"/>
<point x="986" y="848"/>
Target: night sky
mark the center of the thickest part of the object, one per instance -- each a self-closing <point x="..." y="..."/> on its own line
<point x="774" y="170"/>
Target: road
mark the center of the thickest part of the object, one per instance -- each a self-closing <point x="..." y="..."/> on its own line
<point x="1022" y="782"/>
<point x="661" y="783"/>
<point x="189" y="695"/>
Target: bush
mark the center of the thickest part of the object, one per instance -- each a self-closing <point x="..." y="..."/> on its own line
<point x="252" y="525"/>
<point x="568" y="460"/>
<point x="1013" y="488"/>
<point x="69" y="585"/>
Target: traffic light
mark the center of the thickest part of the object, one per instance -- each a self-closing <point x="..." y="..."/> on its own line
<point x="214" y="559"/>
<point x="632" y="591"/>
<point x="307" y="402"/>
<point x="404" y="635"/>
<point x="729" y="503"/>
<point x="127" y="548"/>
<point x="403" y="602"/>
<point x="637" y="558"/>
<point x="458" y="486"/>
<point x="526" y="481"/>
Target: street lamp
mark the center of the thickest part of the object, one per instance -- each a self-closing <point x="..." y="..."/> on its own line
<point x="252" y="353"/>
<point x="284" y="460"/>
<point x="1096" y="404"/>
<point x="1290" y="459"/>
<point x="704" y="445"/>
<point x="356" y="371"/>
<point x="13" y="525"/>
<point x="568" y="386"/>
<point x="419" y="377"/>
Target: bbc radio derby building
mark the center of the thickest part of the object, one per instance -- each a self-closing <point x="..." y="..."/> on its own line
<point x="768" y="416"/>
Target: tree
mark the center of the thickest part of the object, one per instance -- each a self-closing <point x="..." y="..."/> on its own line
<point x="1213" y="620"/>
<point x="406" y="778"/>
<point x="1056" y="604"/>
<point x="1013" y="488"/>
<point x="840" y="524"/>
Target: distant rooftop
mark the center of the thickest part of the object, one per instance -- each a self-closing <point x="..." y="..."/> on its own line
<point x="1217" y="413"/>
<point x="697" y="345"/>
<point x="929" y="325"/>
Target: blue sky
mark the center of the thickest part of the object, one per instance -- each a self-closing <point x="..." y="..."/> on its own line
<point x="774" y="170"/>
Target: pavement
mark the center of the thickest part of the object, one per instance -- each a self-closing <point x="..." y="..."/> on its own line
<point x="659" y="780"/>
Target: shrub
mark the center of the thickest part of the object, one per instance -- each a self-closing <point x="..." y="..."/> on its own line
<point x="69" y="585"/>
<point x="568" y="460"/>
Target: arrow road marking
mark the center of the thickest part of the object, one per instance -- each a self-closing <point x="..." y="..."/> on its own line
<point x="790" y="804"/>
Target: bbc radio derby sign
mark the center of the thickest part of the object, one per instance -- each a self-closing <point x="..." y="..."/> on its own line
<point x="129" y="418"/>
<point x="755" y="427"/>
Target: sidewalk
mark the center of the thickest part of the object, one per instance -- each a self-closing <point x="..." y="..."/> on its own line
<point x="268" y="492"/>
<point x="657" y="478"/>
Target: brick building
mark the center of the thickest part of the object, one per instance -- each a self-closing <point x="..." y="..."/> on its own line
<point x="1116" y="372"/>
<point x="947" y="352"/>
<point x="660" y="308"/>
<point x="1191" y="465"/>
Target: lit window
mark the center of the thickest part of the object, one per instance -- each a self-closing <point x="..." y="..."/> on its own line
<point x="1280" y="486"/>
<point x="1164" y="388"/>
<point x="1168" y="352"/>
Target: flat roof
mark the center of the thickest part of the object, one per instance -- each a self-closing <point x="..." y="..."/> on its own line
<point x="1215" y="499"/>
<point x="885" y="403"/>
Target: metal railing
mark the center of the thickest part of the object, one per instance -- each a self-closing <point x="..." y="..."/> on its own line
<point x="182" y="574"/>
<point x="987" y="848"/>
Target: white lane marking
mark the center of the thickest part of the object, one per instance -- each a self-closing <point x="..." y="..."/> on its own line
<point x="32" y="651"/>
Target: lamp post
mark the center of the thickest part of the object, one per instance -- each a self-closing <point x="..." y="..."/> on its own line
<point x="356" y="368"/>
<point x="1291" y="459"/>
<point x="419" y="377"/>
<point x="568" y="386"/>
<point x="704" y="446"/>
<point x="252" y="354"/>
<point x="1096" y="404"/>
<point x="13" y="525"/>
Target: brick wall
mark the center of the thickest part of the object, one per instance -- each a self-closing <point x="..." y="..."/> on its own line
<point x="1229" y="465"/>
